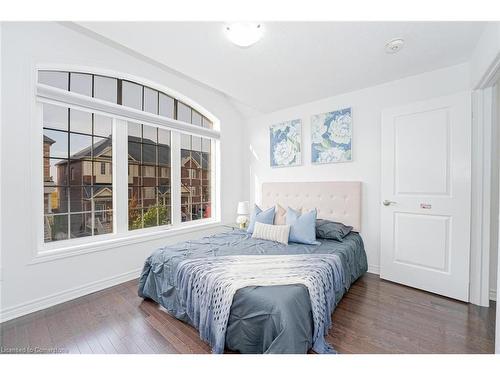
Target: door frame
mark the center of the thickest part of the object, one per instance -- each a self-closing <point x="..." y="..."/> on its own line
<point x="483" y="119"/>
<point x="482" y="124"/>
<point x="485" y="115"/>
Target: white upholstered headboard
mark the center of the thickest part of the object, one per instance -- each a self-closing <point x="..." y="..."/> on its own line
<point x="337" y="200"/>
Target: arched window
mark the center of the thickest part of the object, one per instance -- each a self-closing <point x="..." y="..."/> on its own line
<point x="114" y="147"/>
<point x="124" y="92"/>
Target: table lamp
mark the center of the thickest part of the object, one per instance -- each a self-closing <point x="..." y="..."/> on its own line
<point x="243" y="212"/>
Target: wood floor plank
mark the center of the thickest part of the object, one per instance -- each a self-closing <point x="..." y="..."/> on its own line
<point x="72" y="317"/>
<point x="8" y="337"/>
<point x="38" y="335"/>
<point x="166" y="332"/>
<point x="375" y="316"/>
<point x="181" y="331"/>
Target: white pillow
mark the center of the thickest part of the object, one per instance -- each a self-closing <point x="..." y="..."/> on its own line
<point x="278" y="233"/>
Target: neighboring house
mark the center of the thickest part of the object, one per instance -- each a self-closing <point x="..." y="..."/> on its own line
<point x="195" y="185"/>
<point x="90" y="179"/>
<point x="143" y="193"/>
<point x="49" y="190"/>
<point x="48" y="181"/>
<point x="195" y="178"/>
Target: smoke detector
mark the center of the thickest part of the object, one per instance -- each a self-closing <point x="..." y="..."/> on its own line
<point x="394" y="45"/>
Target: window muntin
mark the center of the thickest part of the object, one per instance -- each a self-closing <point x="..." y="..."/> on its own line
<point x="132" y="95"/>
<point x="195" y="178"/>
<point x="149" y="171"/>
<point x="150" y="101"/>
<point x="207" y="123"/>
<point x="183" y="112"/>
<point x="196" y="118"/>
<point x="105" y="88"/>
<point x="81" y="83"/>
<point x="72" y="152"/>
<point x="124" y="92"/>
<point x="166" y="106"/>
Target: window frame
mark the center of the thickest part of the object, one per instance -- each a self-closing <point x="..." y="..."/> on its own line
<point x="68" y="186"/>
<point x="149" y="170"/>
<point x="121" y="235"/>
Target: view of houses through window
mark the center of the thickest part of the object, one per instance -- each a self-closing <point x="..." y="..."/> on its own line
<point x="78" y="160"/>
<point x="195" y="178"/>
<point x="148" y="176"/>
<point x="78" y="191"/>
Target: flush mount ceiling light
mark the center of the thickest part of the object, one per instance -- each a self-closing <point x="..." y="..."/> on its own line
<point x="244" y="34"/>
<point x="394" y="45"/>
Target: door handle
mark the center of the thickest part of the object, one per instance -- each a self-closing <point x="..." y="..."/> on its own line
<point x="388" y="203"/>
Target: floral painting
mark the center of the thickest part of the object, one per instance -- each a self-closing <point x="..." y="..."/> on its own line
<point x="286" y="143"/>
<point x="331" y="137"/>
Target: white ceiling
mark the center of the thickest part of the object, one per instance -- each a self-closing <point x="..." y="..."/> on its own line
<point x="296" y="62"/>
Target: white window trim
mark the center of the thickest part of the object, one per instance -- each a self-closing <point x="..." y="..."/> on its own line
<point x="129" y="77"/>
<point x="121" y="236"/>
<point x="54" y="95"/>
<point x="108" y="241"/>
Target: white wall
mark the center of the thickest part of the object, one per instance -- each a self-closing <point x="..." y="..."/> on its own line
<point x="485" y="54"/>
<point x="30" y="286"/>
<point x="367" y="105"/>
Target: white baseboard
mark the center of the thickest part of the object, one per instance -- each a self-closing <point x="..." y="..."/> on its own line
<point x="374" y="268"/>
<point x="67" y="295"/>
<point x="493" y="295"/>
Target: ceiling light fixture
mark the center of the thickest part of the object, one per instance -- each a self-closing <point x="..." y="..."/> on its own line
<point x="394" y="45"/>
<point x="244" y="34"/>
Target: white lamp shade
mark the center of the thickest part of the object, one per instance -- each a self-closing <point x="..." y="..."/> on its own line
<point x="243" y="208"/>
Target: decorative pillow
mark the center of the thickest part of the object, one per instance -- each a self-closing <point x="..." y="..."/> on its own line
<point x="278" y="233"/>
<point x="265" y="217"/>
<point x="331" y="230"/>
<point x="302" y="227"/>
<point x="280" y="216"/>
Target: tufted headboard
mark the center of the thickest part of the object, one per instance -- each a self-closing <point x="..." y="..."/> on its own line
<point x="337" y="200"/>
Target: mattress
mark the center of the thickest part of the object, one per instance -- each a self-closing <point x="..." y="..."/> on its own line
<point x="263" y="319"/>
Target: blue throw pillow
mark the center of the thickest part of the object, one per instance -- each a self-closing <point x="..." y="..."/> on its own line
<point x="302" y="227"/>
<point x="264" y="217"/>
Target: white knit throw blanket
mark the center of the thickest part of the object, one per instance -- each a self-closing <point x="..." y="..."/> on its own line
<point x="206" y="287"/>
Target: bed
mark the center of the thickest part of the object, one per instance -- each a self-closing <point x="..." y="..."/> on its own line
<point x="275" y="318"/>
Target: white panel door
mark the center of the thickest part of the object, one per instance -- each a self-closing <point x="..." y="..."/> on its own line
<point x="425" y="203"/>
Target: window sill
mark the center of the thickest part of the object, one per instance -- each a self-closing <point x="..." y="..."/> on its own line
<point x="45" y="255"/>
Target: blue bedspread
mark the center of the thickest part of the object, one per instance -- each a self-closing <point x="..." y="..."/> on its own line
<point x="263" y="319"/>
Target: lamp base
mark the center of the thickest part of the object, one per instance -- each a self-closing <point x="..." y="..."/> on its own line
<point x="242" y="221"/>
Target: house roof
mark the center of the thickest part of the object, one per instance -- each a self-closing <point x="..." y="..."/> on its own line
<point x="148" y="153"/>
<point x="98" y="190"/>
<point x="99" y="148"/>
<point x="48" y="140"/>
<point x="186" y="155"/>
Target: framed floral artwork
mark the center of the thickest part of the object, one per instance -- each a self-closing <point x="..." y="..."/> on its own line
<point x="285" y="143"/>
<point x="331" y="137"/>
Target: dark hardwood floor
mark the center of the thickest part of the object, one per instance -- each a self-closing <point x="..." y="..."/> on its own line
<point x="375" y="316"/>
